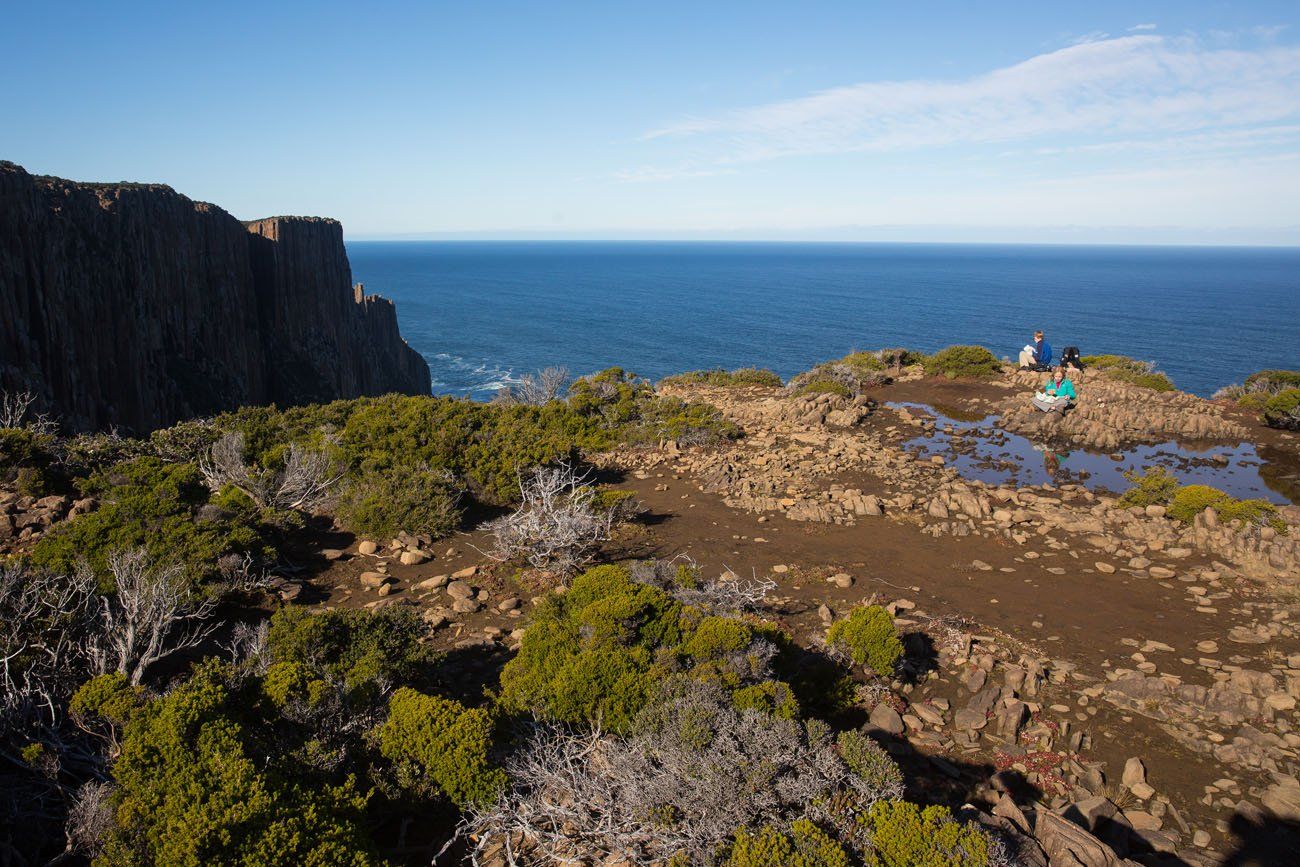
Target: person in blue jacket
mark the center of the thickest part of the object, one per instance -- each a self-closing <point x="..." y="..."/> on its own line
<point x="1037" y="355"/>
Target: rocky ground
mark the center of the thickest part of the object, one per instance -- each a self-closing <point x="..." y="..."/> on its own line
<point x="1110" y="682"/>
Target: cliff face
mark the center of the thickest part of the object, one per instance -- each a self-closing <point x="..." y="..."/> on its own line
<point x="131" y="305"/>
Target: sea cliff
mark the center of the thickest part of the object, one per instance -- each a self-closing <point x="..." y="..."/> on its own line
<point x="131" y="305"/>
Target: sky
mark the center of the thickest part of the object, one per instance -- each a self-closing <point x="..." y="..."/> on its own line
<point x="1099" y="122"/>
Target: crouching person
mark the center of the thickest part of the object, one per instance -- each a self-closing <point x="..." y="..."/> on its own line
<point x="1057" y="394"/>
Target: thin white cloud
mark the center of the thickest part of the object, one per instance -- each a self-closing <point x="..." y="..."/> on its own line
<point x="1137" y="28"/>
<point x="1108" y="90"/>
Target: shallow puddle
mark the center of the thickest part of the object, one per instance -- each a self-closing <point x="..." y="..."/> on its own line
<point x="980" y="450"/>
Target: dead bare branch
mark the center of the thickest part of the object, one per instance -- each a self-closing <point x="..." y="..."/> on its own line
<point x="536" y="389"/>
<point x="304" y="482"/>
<point x="558" y="526"/>
<point x="151" y="616"/>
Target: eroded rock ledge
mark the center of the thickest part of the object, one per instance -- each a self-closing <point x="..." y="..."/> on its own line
<point x="131" y="305"/>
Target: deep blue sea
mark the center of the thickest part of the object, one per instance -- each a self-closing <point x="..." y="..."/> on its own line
<point x="482" y="312"/>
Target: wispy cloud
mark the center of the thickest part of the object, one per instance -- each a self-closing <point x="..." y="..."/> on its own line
<point x="1138" y="28"/>
<point x="1140" y="86"/>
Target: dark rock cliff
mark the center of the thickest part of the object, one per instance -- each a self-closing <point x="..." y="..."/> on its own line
<point x="131" y="305"/>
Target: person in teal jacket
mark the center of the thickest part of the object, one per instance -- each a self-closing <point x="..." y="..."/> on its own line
<point x="1058" y="393"/>
<point x="1060" y="386"/>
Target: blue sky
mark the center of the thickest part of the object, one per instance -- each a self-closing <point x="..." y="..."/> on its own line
<point x="1105" y="121"/>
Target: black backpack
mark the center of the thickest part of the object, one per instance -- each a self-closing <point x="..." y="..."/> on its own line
<point x="1070" y="357"/>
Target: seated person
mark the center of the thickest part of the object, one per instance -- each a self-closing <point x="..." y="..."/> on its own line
<point x="1037" y="355"/>
<point x="1057" y="394"/>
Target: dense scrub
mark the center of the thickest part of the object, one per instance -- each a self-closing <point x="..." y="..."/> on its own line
<point x="1158" y="487"/>
<point x="849" y="376"/>
<point x="599" y="651"/>
<point x="963" y="362"/>
<point x="744" y="376"/>
<point x="1124" y="369"/>
<point x="290" y="752"/>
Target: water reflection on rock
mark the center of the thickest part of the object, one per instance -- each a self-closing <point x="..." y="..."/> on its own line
<point x="981" y="450"/>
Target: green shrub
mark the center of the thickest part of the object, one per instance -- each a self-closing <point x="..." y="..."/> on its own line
<point x="868" y="760"/>
<point x="601" y="651"/>
<point x="109" y="697"/>
<point x="745" y="376"/>
<point x="1273" y="381"/>
<point x="824" y="385"/>
<point x="160" y="507"/>
<point x="847" y="377"/>
<point x="1155" y="487"/>
<point x="963" y="362"/>
<point x="415" y="499"/>
<point x="362" y="651"/>
<point x="1191" y="500"/>
<point x="805" y="845"/>
<point x="192" y="789"/>
<point x="1282" y="410"/>
<point x="626" y="406"/>
<point x="906" y="835"/>
<point x="869" y="638"/>
<point x="20" y="446"/>
<point x="1124" y="369"/>
<point x="444" y="742"/>
<point x="34" y="482"/>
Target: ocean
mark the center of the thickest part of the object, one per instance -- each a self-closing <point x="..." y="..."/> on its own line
<point x="485" y="312"/>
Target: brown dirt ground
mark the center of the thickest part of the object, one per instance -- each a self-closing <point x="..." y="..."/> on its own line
<point x="1083" y="616"/>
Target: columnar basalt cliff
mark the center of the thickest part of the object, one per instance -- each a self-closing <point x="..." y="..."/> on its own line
<point x="132" y="305"/>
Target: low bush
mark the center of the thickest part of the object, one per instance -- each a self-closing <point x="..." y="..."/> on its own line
<point x="439" y="740"/>
<point x="416" y="499"/>
<point x="1282" y="410"/>
<point x="868" y="760"/>
<point x="1191" y="500"/>
<point x="693" y="773"/>
<point x="1121" y="368"/>
<point x="627" y="408"/>
<point x="1159" y="487"/>
<point x="364" y="652"/>
<point x="599" y="652"/>
<point x="1155" y="487"/>
<point x="868" y="637"/>
<point x="164" y="509"/>
<point x="904" y="834"/>
<point x="745" y="376"/>
<point x="849" y="376"/>
<point x="963" y="362"/>
<point x="805" y="845"/>
<point x="195" y="786"/>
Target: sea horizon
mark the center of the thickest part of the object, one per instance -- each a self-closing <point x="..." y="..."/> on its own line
<point x="484" y="311"/>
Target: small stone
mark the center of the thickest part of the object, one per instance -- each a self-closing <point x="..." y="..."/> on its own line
<point x="1160" y="572"/>
<point x="367" y="547"/>
<point x="332" y="554"/>
<point x="459" y="590"/>
<point x="1104" y="568"/>
<point x="1143" y="791"/>
<point x="433" y="583"/>
<point x="1154" y="511"/>
<point x="1201" y="839"/>
<point x="886" y="719"/>
<point x="412" y="558"/>
<point x="467" y="572"/>
<point x="374" y="579"/>
<point x="843" y="580"/>
<point x="780" y="568"/>
<point x="1134" y="772"/>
